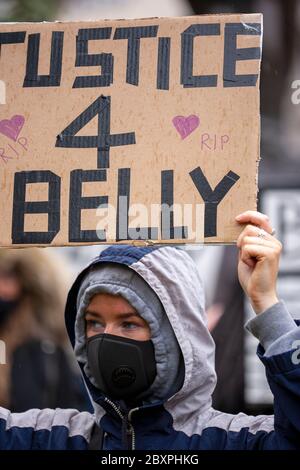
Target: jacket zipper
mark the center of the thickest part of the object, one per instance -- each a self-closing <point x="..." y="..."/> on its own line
<point x="129" y="427"/>
<point x="115" y="407"/>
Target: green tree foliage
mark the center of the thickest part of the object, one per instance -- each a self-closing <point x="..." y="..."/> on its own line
<point x="33" y="10"/>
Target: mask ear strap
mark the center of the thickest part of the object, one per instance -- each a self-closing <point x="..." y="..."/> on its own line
<point x="97" y="438"/>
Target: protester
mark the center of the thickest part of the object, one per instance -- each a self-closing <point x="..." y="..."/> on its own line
<point x="38" y="370"/>
<point x="135" y="317"/>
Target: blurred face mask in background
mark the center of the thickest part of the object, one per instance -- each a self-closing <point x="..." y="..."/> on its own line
<point x="6" y="308"/>
<point x="123" y="368"/>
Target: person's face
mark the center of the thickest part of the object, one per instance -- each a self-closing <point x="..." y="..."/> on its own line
<point x="10" y="288"/>
<point x="113" y="315"/>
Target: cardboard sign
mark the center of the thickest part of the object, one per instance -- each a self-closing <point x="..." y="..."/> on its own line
<point x="120" y="131"/>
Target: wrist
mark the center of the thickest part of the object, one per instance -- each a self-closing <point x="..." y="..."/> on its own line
<point x="261" y="305"/>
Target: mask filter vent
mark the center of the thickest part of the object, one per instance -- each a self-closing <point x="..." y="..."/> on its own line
<point x="123" y="376"/>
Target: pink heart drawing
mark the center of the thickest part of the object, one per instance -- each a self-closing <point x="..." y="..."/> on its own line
<point x="185" y="125"/>
<point x="12" y="127"/>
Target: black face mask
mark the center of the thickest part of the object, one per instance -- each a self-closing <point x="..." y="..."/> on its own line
<point x="123" y="368"/>
<point x="6" y="308"/>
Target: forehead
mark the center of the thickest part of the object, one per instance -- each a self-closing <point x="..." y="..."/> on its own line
<point x="106" y="302"/>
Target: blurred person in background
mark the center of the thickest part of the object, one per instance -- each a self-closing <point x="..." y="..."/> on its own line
<point x="38" y="371"/>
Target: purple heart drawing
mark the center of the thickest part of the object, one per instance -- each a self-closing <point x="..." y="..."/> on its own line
<point x="12" y="127"/>
<point x="185" y="125"/>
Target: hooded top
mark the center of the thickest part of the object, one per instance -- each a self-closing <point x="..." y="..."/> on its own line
<point x="179" y="414"/>
<point x="117" y="279"/>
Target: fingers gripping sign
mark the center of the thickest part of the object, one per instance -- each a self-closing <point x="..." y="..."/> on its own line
<point x="259" y="253"/>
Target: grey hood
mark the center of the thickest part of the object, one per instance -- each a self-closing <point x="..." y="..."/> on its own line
<point x="118" y="279"/>
<point x="175" y="280"/>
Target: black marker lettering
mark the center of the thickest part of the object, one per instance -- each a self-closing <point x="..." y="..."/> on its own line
<point x="232" y="54"/>
<point x="77" y="202"/>
<point x="106" y="61"/>
<point x="212" y="198"/>
<point x="188" y="80"/>
<point x="134" y="35"/>
<point x="32" y="79"/>
<point x="22" y="207"/>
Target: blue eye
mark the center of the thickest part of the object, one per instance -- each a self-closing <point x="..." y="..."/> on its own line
<point x="94" y="324"/>
<point x="129" y="326"/>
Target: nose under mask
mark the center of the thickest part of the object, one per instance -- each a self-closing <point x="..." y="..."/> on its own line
<point x="123" y="368"/>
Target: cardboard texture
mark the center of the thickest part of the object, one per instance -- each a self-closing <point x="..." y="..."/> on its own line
<point x="154" y="121"/>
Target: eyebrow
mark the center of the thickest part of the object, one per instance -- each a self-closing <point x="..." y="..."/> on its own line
<point x="120" y="315"/>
